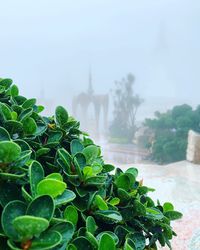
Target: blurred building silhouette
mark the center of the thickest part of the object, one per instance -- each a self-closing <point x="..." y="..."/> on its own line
<point x="92" y="110"/>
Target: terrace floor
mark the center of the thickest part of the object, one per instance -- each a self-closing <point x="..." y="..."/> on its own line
<point x="178" y="183"/>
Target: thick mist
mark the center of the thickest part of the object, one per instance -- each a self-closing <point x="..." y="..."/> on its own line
<point x="50" y="47"/>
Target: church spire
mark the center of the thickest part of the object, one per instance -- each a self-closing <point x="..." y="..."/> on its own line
<point x="90" y="87"/>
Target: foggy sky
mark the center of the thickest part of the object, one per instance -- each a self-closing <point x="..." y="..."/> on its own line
<point x="51" y="45"/>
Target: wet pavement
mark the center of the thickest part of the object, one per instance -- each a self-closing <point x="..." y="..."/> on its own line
<point x="177" y="183"/>
<point x="124" y="153"/>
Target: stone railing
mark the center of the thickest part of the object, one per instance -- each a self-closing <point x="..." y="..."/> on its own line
<point x="193" y="148"/>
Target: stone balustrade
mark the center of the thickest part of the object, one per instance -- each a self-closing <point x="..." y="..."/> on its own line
<point x="193" y="148"/>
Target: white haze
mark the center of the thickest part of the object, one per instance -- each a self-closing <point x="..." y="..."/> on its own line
<point x="48" y="47"/>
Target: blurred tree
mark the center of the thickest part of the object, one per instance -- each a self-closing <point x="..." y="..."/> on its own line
<point x="126" y="105"/>
<point x="171" y="132"/>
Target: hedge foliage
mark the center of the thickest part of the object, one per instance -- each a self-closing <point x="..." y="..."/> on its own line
<point x="57" y="193"/>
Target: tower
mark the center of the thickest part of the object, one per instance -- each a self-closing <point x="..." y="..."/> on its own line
<point x="90" y="87"/>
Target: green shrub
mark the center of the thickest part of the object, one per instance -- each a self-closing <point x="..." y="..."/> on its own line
<point x="57" y="193"/>
<point x="171" y="132"/>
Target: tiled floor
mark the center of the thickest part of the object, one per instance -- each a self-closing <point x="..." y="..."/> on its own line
<point x="178" y="183"/>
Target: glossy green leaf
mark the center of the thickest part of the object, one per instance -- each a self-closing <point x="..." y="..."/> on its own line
<point x="36" y="174"/>
<point x="77" y="169"/>
<point x="5" y="111"/>
<point x="100" y="203"/>
<point x="47" y="240"/>
<point x="95" y="181"/>
<point x="11" y="211"/>
<point x="76" y="146"/>
<point x="113" y="235"/>
<point x="66" y="158"/>
<point x="123" y="182"/>
<point x="2" y="89"/>
<point x="91" y="224"/>
<point x="154" y="213"/>
<point x="92" y="239"/>
<point x="81" y="203"/>
<point x="80" y="158"/>
<point x="71" y="214"/>
<point x="96" y="168"/>
<point x="28" y="226"/>
<point x="106" y="242"/>
<point x="19" y="99"/>
<point x="73" y="179"/>
<point x="23" y="144"/>
<point x="41" y="128"/>
<point x="16" y="108"/>
<point x="51" y="187"/>
<point x="14" y="115"/>
<point x="42" y="206"/>
<point x="11" y="177"/>
<point x="54" y="137"/>
<point x="61" y="116"/>
<point x="123" y="195"/>
<point x="29" y="126"/>
<point x="66" y="229"/>
<point x="115" y="201"/>
<point x="87" y="172"/>
<point x="6" y="82"/>
<point x="4" y="135"/>
<point x="139" y="208"/>
<point x="91" y="153"/>
<point x="82" y="243"/>
<point x="9" y="151"/>
<point x="42" y="151"/>
<point x="55" y="176"/>
<point x="167" y="206"/>
<point x="29" y="103"/>
<point x="27" y="197"/>
<point x="138" y="240"/>
<point x="132" y="171"/>
<point x="129" y="245"/>
<point x="39" y="108"/>
<point x="143" y="190"/>
<point x="14" y="127"/>
<point x="173" y="215"/>
<point x="108" y="216"/>
<point x="12" y="245"/>
<point x="25" y="114"/>
<point x="71" y="247"/>
<point x="121" y="232"/>
<point x="14" y="91"/>
<point x="66" y="197"/>
<point x="108" y="167"/>
<point x="23" y="158"/>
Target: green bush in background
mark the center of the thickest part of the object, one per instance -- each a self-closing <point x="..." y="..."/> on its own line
<point x="126" y="104"/>
<point x="171" y="132"/>
<point x="57" y="193"/>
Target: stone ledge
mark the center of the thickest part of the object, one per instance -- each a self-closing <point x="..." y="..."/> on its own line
<point x="193" y="148"/>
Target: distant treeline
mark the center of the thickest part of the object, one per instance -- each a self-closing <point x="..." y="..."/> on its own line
<point x="170" y="133"/>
